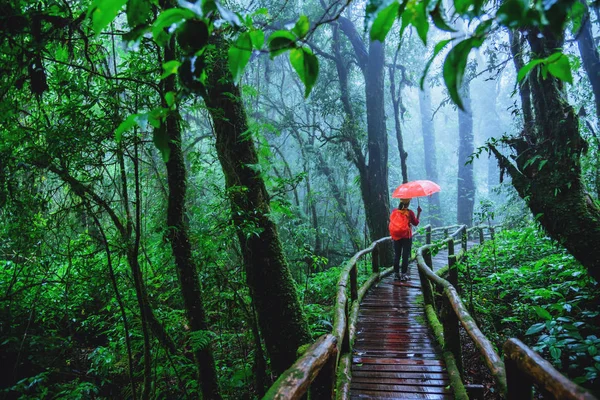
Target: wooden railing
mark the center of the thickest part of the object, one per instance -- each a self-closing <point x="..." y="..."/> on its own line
<point x="326" y="364"/>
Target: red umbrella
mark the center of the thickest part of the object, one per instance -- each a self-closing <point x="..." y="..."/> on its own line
<point x="412" y="189"/>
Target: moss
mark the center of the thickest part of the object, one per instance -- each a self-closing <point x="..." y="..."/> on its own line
<point x="460" y="393"/>
<point x="438" y="329"/>
<point x="302" y="349"/>
<point x="442" y="271"/>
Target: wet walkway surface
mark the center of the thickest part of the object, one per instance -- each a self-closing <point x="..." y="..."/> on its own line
<point x="395" y="353"/>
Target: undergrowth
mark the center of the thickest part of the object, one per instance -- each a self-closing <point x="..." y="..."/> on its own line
<point x="525" y="286"/>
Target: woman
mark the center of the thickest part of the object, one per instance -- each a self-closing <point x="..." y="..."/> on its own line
<point x="401" y="222"/>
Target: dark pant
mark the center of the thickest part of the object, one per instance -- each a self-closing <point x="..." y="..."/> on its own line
<point x="402" y="248"/>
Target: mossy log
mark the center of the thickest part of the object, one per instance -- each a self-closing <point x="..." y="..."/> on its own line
<point x="296" y="380"/>
<point x="525" y="367"/>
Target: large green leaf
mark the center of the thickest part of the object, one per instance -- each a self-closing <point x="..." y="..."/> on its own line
<point x="126" y="125"/>
<point x="165" y="20"/>
<point x="103" y="12"/>
<point x="258" y="38"/>
<point x="436" y="51"/>
<point x="454" y="67"/>
<point x="307" y="67"/>
<point x="384" y="21"/>
<point x="437" y="15"/>
<point x="302" y="26"/>
<point x="138" y="12"/>
<point x="560" y="67"/>
<point x="421" y="21"/>
<point x="280" y="42"/>
<point x="528" y="67"/>
<point x="239" y="55"/>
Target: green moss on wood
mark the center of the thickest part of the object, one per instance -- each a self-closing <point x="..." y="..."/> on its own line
<point x="460" y="393"/>
<point x="438" y="329"/>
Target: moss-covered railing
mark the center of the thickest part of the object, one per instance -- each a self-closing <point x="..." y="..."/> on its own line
<point x="522" y="367"/>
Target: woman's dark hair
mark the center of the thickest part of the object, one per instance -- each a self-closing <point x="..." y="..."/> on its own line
<point x="402" y="206"/>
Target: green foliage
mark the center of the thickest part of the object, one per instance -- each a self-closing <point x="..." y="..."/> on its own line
<point x="540" y="295"/>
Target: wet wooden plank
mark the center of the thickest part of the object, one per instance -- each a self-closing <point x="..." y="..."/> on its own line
<point x="401" y="388"/>
<point x="398" y="368"/>
<point x="380" y="395"/>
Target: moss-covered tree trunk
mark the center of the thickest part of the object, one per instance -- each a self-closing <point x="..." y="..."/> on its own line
<point x="547" y="172"/>
<point x="280" y="316"/>
<point x="181" y="246"/>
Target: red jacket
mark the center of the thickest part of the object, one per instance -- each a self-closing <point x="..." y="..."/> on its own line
<point x="412" y="220"/>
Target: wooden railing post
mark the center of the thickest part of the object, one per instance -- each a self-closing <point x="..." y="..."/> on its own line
<point x="452" y="271"/>
<point x="346" y="338"/>
<point x="324" y="383"/>
<point x="354" y="283"/>
<point x="450" y="247"/>
<point x="445" y="233"/>
<point x="481" y="238"/>
<point x="425" y="284"/>
<point x="451" y="333"/>
<point x="428" y="234"/>
<point x="464" y="238"/>
<point x="492" y="230"/>
<point x="375" y="260"/>
<point x="519" y="385"/>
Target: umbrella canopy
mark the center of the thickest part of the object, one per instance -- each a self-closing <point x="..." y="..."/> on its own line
<point x="412" y="189"/>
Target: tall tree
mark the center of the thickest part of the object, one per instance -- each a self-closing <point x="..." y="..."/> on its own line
<point x="589" y="55"/>
<point x="466" y="183"/>
<point x="430" y="152"/>
<point x="280" y="316"/>
<point x="547" y="167"/>
<point x="374" y="173"/>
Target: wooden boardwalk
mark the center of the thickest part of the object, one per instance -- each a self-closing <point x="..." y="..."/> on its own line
<point x="395" y="353"/>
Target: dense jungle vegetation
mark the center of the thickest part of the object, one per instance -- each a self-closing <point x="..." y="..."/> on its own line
<point x="181" y="182"/>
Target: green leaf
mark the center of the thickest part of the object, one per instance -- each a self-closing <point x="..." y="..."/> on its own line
<point x="165" y="20"/>
<point x="535" y="328"/>
<point x="125" y="126"/>
<point x="454" y="67"/>
<point x="437" y="15"/>
<point x="511" y="12"/>
<point x="528" y="67"/>
<point x="436" y="51"/>
<point x="421" y="22"/>
<point x="161" y="141"/>
<point x="302" y="27"/>
<point x="560" y="67"/>
<point x="258" y="38"/>
<point x="280" y="42"/>
<point x="170" y="68"/>
<point x="239" y="55"/>
<point x="170" y="99"/>
<point x="307" y="67"/>
<point x="555" y="352"/>
<point x="384" y="21"/>
<point x="103" y="12"/>
<point x="543" y="313"/>
<point x="577" y="15"/>
<point x="138" y="12"/>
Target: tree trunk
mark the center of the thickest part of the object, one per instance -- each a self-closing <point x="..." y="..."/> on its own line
<point x="589" y="56"/>
<point x="551" y="183"/>
<point x="377" y="204"/>
<point x="280" y="316"/>
<point x="181" y="246"/>
<point x="516" y="49"/>
<point x="466" y="184"/>
<point x="396" y="104"/>
<point x="435" y="210"/>
<point x="374" y="183"/>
